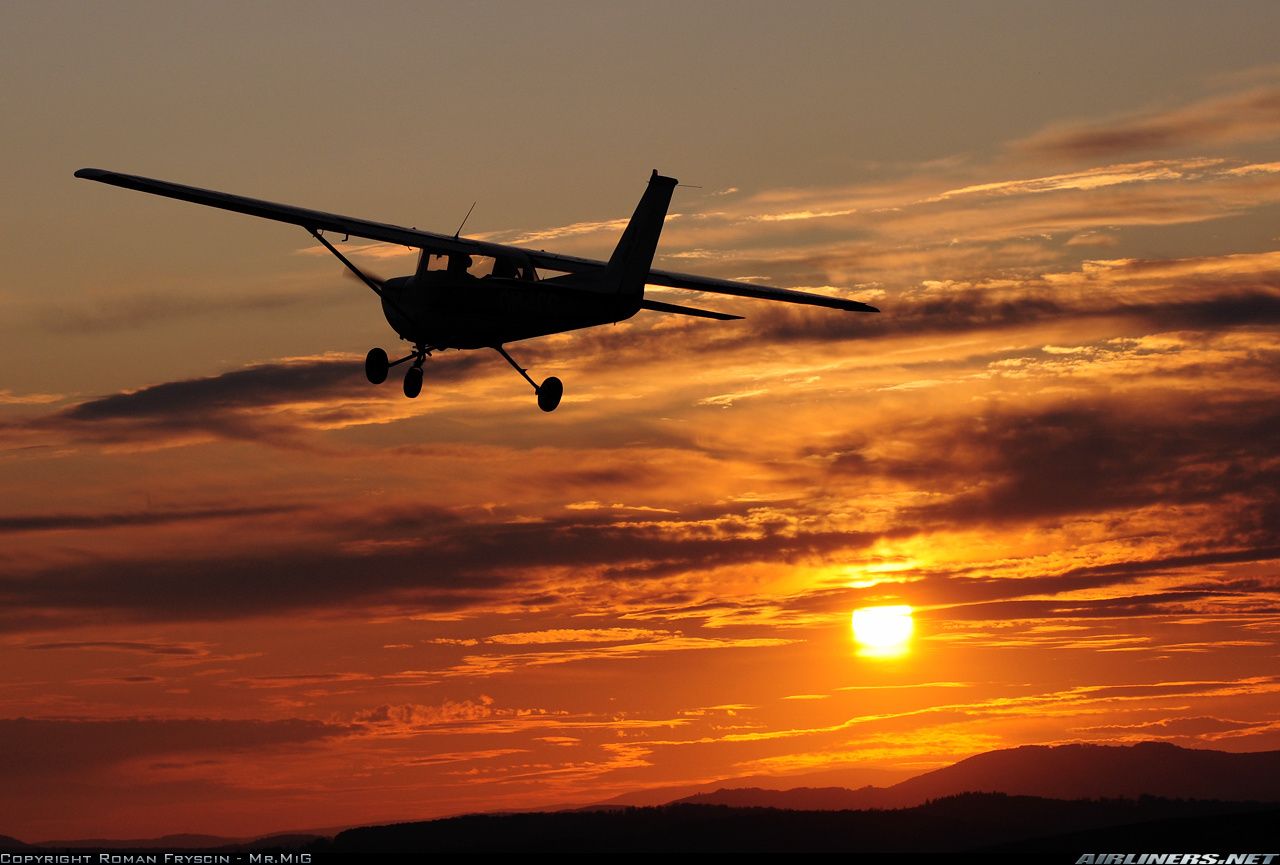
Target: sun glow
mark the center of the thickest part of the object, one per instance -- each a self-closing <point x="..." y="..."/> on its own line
<point x="883" y="631"/>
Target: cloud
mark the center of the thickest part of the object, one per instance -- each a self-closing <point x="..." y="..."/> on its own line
<point x="1194" y="294"/>
<point x="261" y="402"/>
<point x="576" y="635"/>
<point x="8" y="397"/>
<point x="123" y="646"/>
<point x="296" y="680"/>
<point x="270" y="403"/>
<point x="255" y="386"/>
<point x="414" y="716"/>
<point x="345" y="560"/>
<point x="1090" y="178"/>
<point x="1250" y="115"/>
<point x="495" y="664"/>
<point x="464" y="756"/>
<point x="221" y="587"/>
<point x="126" y="311"/>
<point x="610" y="226"/>
<point x="1019" y="607"/>
<point x="292" y="402"/>
<point x="86" y="521"/>
<point x="1178" y="727"/>
<point x="1138" y="296"/>
<point x="52" y="746"/>
<point x="1092" y="455"/>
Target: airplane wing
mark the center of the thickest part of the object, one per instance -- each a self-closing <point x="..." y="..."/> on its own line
<point x="709" y="284"/>
<point x="444" y="243"/>
<point x="747" y="289"/>
<point x="317" y="219"/>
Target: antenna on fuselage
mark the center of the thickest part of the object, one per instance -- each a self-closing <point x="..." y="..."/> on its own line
<point x="464" y="220"/>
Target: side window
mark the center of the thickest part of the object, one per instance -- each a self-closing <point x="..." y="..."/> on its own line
<point x="481" y="266"/>
<point x="437" y="262"/>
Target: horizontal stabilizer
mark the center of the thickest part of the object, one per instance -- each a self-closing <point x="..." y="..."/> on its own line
<point x="659" y="306"/>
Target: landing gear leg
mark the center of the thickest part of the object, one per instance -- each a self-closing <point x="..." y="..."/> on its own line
<point x="376" y="367"/>
<point x="549" y="392"/>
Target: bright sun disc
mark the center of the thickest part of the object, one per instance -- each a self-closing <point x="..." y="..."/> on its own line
<point x="883" y="630"/>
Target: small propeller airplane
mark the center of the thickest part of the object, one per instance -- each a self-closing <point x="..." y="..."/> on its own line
<point x="450" y="302"/>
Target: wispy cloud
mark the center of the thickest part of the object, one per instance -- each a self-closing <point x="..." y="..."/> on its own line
<point x="123" y="646"/>
<point x="1239" y="116"/>
<point x="494" y="664"/>
<point x="81" y="522"/>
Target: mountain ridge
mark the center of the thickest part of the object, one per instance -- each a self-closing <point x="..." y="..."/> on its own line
<point x="970" y="821"/>
<point x="1072" y="771"/>
<point x="1056" y="772"/>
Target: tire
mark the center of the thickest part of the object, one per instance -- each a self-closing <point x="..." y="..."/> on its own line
<point x="413" y="382"/>
<point x="549" y="394"/>
<point x="376" y="365"/>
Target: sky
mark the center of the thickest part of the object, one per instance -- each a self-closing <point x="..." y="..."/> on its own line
<point x="247" y="591"/>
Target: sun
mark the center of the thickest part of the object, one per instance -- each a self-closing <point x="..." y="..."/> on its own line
<point x="883" y="631"/>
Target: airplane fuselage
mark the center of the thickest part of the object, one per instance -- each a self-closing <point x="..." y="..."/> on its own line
<point x="465" y="312"/>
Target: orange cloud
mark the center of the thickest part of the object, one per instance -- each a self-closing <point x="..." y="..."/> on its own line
<point x="1244" y="116"/>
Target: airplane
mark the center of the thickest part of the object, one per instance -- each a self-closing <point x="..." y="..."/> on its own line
<point x="454" y="307"/>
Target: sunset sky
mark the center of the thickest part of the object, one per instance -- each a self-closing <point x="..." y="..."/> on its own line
<point x="245" y="591"/>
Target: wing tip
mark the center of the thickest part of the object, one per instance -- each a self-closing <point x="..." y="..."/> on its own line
<point x="92" y="173"/>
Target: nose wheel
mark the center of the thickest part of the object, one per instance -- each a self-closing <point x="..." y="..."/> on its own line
<point x="413" y="381"/>
<point x="549" y="392"/>
<point x="377" y="366"/>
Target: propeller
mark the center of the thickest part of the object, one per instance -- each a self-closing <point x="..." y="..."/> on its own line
<point x="372" y="282"/>
<point x="372" y="277"/>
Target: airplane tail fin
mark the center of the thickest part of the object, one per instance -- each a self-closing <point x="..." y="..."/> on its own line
<point x="633" y="257"/>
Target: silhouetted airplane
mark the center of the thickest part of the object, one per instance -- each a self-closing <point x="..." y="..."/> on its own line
<point x="463" y="306"/>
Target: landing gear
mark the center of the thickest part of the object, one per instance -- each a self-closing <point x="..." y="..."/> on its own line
<point x="376" y="366"/>
<point x="549" y="392"/>
<point x="413" y="381"/>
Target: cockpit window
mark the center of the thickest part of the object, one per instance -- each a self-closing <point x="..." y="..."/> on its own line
<point x="480" y="266"/>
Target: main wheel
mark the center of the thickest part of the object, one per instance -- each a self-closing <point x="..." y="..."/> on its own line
<point x="549" y="394"/>
<point x="376" y="366"/>
<point x="413" y="382"/>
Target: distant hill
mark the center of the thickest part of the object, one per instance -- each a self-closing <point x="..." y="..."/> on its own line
<point x="1054" y="772"/>
<point x="796" y="799"/>
<point x="172" y="842"/>
<point x="843" y="778"/>
<point x="1078" y="771"/>
<point x="967" y="822"/>
<point x="11" y="845"/>
<point x="997" y="800"/>
<point x="208" y="843"/>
